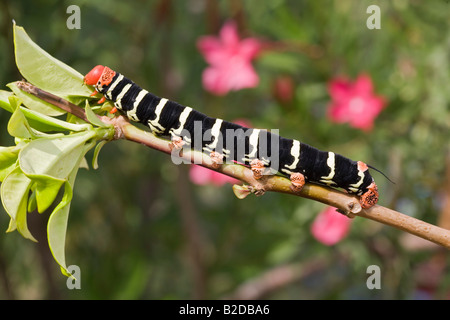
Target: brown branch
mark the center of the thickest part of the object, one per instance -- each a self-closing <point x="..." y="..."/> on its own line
<point x="346" y="203"/>
<point x="53" y="99"/>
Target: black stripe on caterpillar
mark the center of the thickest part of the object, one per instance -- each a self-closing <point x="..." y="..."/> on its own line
<point x="230" y="142"/>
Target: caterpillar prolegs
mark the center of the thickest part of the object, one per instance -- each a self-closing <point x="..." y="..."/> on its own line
<point x="227" y="142"/>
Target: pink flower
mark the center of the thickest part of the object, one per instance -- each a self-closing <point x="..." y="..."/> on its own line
<point x="203" y="176"/>
<point x="355" y="102"/>
<point x="330" y="226"/>
<point x="230" y="60"/>
<point x="243" y="122"/>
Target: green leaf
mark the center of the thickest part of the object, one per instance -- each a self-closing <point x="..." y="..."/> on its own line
<point x="34" y="103"/>
<point x="18" y="126"/>
<point x="92" y="117"/>
<point x="14" y="102"/>
<point x="4" y="100"/>
<point x="47" y="189"/>
<point x="8" y="159"/>
<point x="46" y="123"/>
<point x="48" y="162"/>
<point x="241" y="192"/>
<point x="14" y="192"/>
<point x="32" y="203"/>
<point x="84" y="164"/>
<point x="43" y="70"/>
<point x="57" y="226"/>
<point x="96" y="153"/>
<point x="53" y="157"/>
<point x="57" y="222"/>
<point x="12" y="225"/>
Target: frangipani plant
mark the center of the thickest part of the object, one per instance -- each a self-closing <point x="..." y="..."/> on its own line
<point x="48" y="151"/>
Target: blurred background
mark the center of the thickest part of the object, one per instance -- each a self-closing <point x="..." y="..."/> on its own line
<point x="141" y="227"/>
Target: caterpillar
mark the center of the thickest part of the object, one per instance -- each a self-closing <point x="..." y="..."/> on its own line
<point x="230" y="142"/>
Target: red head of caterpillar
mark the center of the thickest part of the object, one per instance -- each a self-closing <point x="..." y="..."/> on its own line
<point x="370" y="197"/>
<point x="94" y="75"/>
<point x="99" y="76"/>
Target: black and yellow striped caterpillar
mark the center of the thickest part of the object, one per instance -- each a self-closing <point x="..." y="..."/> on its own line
<point x="226" y="141"/>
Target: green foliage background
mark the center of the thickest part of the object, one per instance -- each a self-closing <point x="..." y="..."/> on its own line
<point x="138" y="228"/>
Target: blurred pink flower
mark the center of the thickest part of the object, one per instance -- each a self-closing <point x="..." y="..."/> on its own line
<point x="203" y="176"/>
<point x="243" y="122"/>
<point x="355" y="103"/>
<point x="230" y="60"/>
<point x="330" y="226"/>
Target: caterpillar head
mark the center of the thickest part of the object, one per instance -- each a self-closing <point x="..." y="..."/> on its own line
<point x="368" y="190"/>
<point x="94" y="75"/>
<point x="370" y="197"/>
<point x="100" y="76"/>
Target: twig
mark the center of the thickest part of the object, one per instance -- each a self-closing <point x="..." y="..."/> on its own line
<point x="53" y="99"/>
<point x="346" y="203"/>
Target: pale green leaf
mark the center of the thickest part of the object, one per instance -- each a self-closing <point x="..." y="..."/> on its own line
<point x="47" y="189"/>
<point x="96" y="153"/>
<point x="4" y="100"/>
<point x="32" y="203"/>
<point x="241" y="192"/>
<point x="48" y="162"/>
<point x="43" y="70"/>
<point x="46" y="123"/>
<point x="57" y="226"/>
<point x="57" y="223"/>
<point x="8" y="159"/>
<point x="12" y="225"/>
<point x="34" y="103"/>
<point x="92" y="117"/>
<point x="53" y="157"/>
<point x="18" y="126"/>
<point x="14" y="102"/>
<point x="84" y="164"/>
<point x="14" y="192"/>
